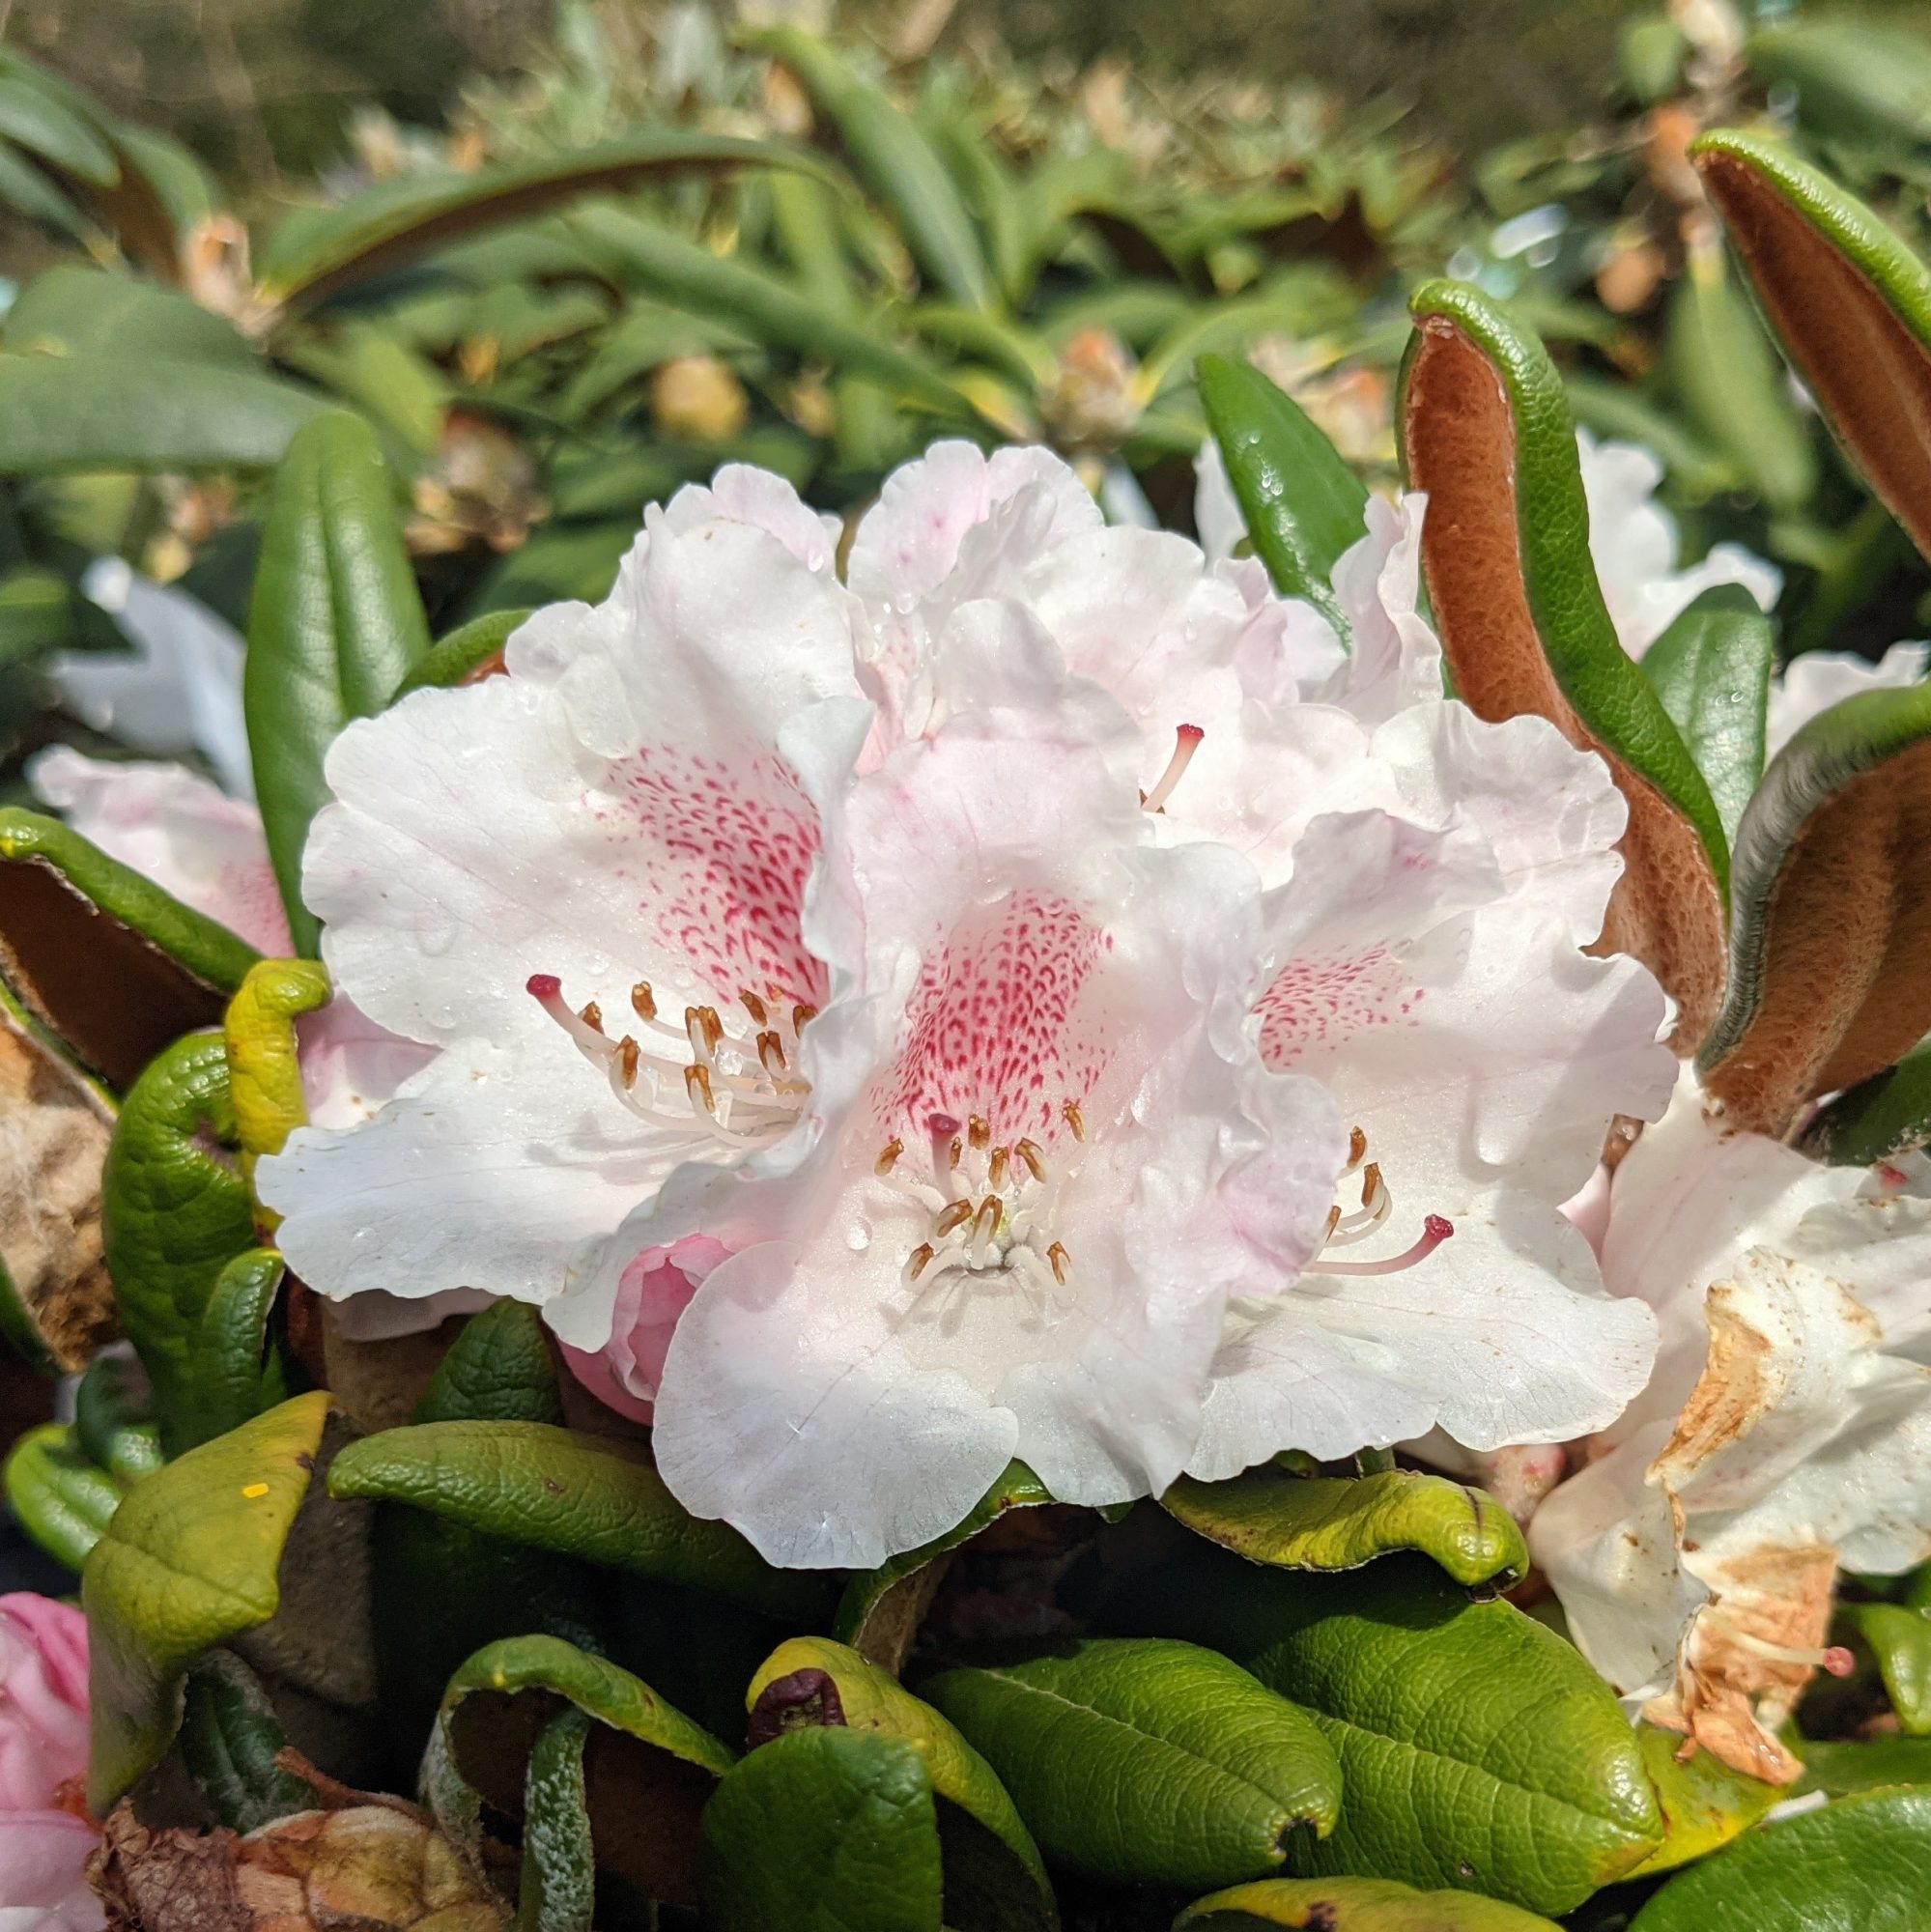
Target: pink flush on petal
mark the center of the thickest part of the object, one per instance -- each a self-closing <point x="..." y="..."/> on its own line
<point x="652" y="1294"/>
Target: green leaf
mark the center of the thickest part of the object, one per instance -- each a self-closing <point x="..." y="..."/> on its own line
<point x="1850" y="303"/>
<point x="1320" y="1523"/>
<point x="114" y="1421"/>
<point x="1853" y="78"/>
<point x="102" y="412"/>
<point x="559" y="1862"/>
<point x="1731" y="387"/>
<point x="1303" y="505"/>
<point x="824" y="1831"/>
<point x="1829" y="982"/>
<point x="59" y="1494"/>
<point x="1477" y="1748"/>
<point x="1354" y="1905"/>
<point x="466" y="652"/>
<point x="1095" y="1744"/>
<point x="107" y="962"/>
<point x="880" y="1612"/>
<point x="1486" y="431"/>
<point x="594" y="1497"/>
<point x="647" y="1769"/>
<point x="814" y="1681"/>
<point x="229" y="1738"/>
<point x="1704" y="1803"/>
<point x="1711" y="668"/>
<point x="322" y="249"/>
<point x="335" y="628"/>
<point x="1900" y="1636"/>
<point x="39" y="121"/>
<point x="264" y="1060"/>
<point x="29" y="192"/>
<point x="76" y="311"/>
<point x="899" y="165"/>
<point x="679" y="270"/>
<point x="189" y="1561"/>
<point x="1863" y="1864"/>
<point x="175" y="1214"/>
<point x="1841" y="1769"/>
<point x="1888" y="1114"/>
<point x="238" y="1371"/>
<point x="498" y="1369"/>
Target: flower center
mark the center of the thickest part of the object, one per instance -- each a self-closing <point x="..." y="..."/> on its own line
<point x="990" y="1206"/>
<point x="1378" y="1204"/>
<point x="735" y="1085"/>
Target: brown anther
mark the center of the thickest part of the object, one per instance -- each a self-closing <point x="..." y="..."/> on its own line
<point x="1063" y="1262"/>
<point x="643" y="1001"/>
<point x="771" y="1052"/>
<point x="1357" y="1146"/>
<point x="1371" y="1183"/>
<point x="754" y="1007"/>
<point x="697" y="1084"/>
<point x="714" y="1026"/>
<point x="985" y="1223"/>
<point x="1333" y="1222"/>
<point x="1075" y="1120"/>
<point x="800" y="1015"/>
<point x="995" y="1169"/>
<point x="592" y="1017"/>
<point x="953" y="1153"/>
<point x="979" y="1130"/>
<point x="955" y="1215"/>
<point x="1028" y="1152"/>
<point x="917" y="1263"/>
<point x="627" y="1058"/>
<point x="888" y="1158"/>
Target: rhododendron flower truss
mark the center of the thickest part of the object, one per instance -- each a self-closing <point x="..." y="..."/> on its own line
<point x="1788" y="1430"/>
<point x="1058" y="1157"/>
<point x="584" y="884"/>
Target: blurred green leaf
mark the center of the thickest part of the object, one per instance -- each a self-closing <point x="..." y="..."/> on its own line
<point x="58" y="1493"/>
<point x="76" y="311"/>
<point x="1888" y="1114"/>
<point x="114" y="1419"/>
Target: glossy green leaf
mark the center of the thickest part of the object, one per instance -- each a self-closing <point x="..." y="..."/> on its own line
<point x="41" y="123"/>
<point x="559" y="1862"/>
<point x="1862" y="1865"/>
<point x="1095" y="1744"/>
<point x="335" y="628"/>
<point x="322" y="249"/>
<point x="58" y="1493"/>
<point x="1729" y="384"/>
<point x="1320" y="1523"/>
<point x="594" y="1497"/>
<point x="814" y="1681"/>
<point x="1486" y="431"/>
<point x="899" y="165"/>
<point x="676" y="269"/>
<point x="71" y="310"/>
<point x="1888" y="1114"/>
<point x="264" y="1063"/>
<point x="1704" y="1803"/>
<point x="229" y="1738"/>
<point x="824" y="1831"/>
<point x="175" y="1214"/>
<point x="647" y="1770"/>
<point x="1352" y="1905"/>
<point x="238" y="1371"/>
<point x="107" y="962"/>
<point x="1849" y="302"/>
<point x="189" y="1561"/>
<point x="1829" y="973"/>
<point x="1900" y="1636"/>
<point x="880" y="1612"/>
<point x="114" y="1419"/>
<point x="1869" y="1765"/>
<point x="102" y="412"/>
<point x="1303" y="505"/>
<point x="1711" y="668"/>
<point x="466" y="652"/>
<point x="497" y="1370"/>
<point x="1477" y="1748"/>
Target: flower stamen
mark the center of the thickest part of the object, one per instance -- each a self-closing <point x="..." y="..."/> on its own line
<point x="1835" y="1659"/>
<point x="1435" y="1230"/>
<point x="1186" y="743"/>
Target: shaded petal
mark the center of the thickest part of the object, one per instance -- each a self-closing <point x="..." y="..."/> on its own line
<point x="1812" y="683"/>
<point x="1397" y="656"/>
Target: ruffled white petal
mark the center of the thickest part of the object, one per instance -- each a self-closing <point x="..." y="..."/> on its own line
<point x="1812" y="683"/>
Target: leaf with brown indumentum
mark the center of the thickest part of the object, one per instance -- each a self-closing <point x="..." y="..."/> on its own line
<point x="1505" y="549"/>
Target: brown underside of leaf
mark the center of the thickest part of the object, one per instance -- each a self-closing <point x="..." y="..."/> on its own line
<point x="1460" y="441"/>
<point x="94" y="983"/>
<point x="377" y="1384"/>
<point x="1869" y="373"/>
<point x="1847" y="965"/>
<point x="53" y="1137"/>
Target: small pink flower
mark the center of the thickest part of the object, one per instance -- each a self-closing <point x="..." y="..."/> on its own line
<point x="45" y="1835"/>
<point x="654" y="1290"/>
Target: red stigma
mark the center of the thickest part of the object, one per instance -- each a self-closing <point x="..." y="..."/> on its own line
<point x="1839" y="1660"/>
<point x="1437" y="1229"/>
<point x="544" y="985"/>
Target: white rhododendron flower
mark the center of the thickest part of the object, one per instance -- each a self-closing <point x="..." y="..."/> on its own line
<point x="1038" y="997"/>
<point x="1786" y="1430"/>
<point x="1633" y="540"/>
<point x="1819" y="679"/>
<point x="582" y="885"/>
